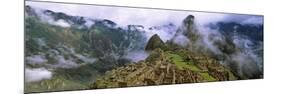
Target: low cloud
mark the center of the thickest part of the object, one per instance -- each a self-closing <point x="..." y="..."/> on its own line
<point x="41" y="42"/>
<point x="61" y="23"/>
<point x="124" y="16"/>
<point x="243" y="19"/>
<point x="181" y="40"/>
<point x="36" y="59"/>
<point x="136" y="56"/>
<point x="64" y="63"/>
<point x="49" y="19"/>
<point x="37" y="74"/>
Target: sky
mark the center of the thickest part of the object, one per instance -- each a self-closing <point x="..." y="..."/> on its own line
<point x="124" y="16"/>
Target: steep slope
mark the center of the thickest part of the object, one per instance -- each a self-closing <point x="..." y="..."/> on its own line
<point x="71" y="54"/>
<point x="234" y="45"/>
<point x="78" y="52"/>
<point x="154" y="42"/>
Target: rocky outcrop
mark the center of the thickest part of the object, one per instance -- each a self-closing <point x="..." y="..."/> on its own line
<point x="154" y="42"/>
<point x="30" y="11"/>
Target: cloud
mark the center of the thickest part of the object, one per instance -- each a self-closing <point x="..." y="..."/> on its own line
<point x="124" y="15"/>
<point x="244" y="19"/>
<point x="181" y="40"/>
<point x="64" y="63"/>
<point x="37" y="74"/>
<point x="41" y="42"/>
<point x="86" y="59"/>
<point x="253" y="20"/>
<point x="61" y="23"/>
<point x="165" y="33"/>
<point x="36" y="59"/>
<point x="62" y="60"/>
<point x="136" y="56"/>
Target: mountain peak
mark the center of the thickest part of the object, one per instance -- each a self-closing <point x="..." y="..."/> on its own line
<point x="30" y="11"/>
<point x="154" y="42"/>
<point x="189" y="20"/>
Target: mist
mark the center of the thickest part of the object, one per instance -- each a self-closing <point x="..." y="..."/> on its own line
<point x="36" y="59"/>
<point x="247" y="63"/>
<point x="37" y="74"/>
<point x="124" y="16"/>
<point x="136" y="56"/>
<point x="245" y="57"/>
<point x="66" y="57"/>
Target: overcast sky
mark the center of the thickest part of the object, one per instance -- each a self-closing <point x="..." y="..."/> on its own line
<point x="147" y="17"/>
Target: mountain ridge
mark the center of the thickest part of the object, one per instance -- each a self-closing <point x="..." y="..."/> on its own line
<point x="87" y="53"/>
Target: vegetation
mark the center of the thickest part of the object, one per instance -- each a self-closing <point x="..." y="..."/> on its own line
<point x="93" y="57"/>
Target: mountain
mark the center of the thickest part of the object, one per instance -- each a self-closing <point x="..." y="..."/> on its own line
<point x="154" y="42"/>
<point x="191" y="30"/>
<point x="228" y="42"/>
<point x="76" y="52"/>
<point x="175" y="64"/>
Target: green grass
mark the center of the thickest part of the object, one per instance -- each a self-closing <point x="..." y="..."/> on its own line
<point x="54" y="84"/>
<point x="181" y="64"/>
<point x="207" y="76"/>
<point x="192" y="67"/>
<point x="231" y="76"/>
